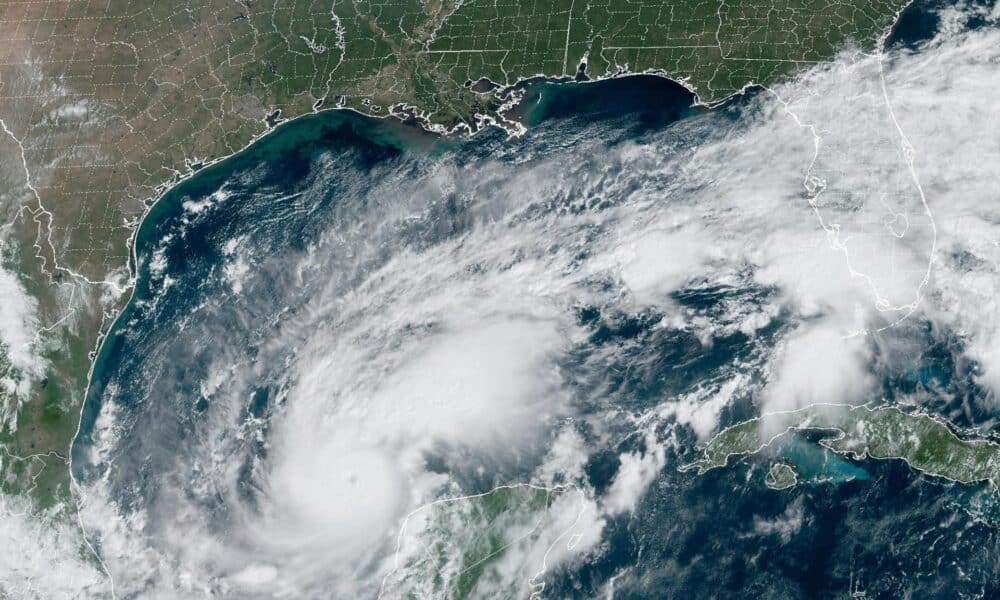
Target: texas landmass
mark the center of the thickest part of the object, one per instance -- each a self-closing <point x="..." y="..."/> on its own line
<point x="107" y="104"/>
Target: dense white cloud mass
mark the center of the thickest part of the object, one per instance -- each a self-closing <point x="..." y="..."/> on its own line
<point x="660" y="262"/>
<point x="852" y="195"/>
<point x="700" y="410"/>
<point x="944" y="101"/>
<point x="20" y="362"/>
<point x="43" y="556"/>
<point x="819" y="366"/>
<point x="636" y="471"/>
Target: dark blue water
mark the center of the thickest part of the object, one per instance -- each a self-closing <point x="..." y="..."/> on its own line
<point x="876" y="526"/>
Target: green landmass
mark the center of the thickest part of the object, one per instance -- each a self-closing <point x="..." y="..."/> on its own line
<point x="459" y="543"/>
<point x="781" y="477"/>
<point x="106" y="104"/>
<point x="924" y="442"/>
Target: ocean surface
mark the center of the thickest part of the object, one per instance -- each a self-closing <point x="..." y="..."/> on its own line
<point x="353" y="319"/>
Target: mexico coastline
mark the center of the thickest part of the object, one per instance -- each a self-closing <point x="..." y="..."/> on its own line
<point x="649" y="102"/>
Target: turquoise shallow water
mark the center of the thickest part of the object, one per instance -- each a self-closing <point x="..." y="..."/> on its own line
<point x="816" y="464"/>
<point x="292" y="145"/>
<point x="293" y="245"/>
<point x="641" y="104"/>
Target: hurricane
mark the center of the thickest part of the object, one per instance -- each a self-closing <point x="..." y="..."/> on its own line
<point x="366" y="361"/>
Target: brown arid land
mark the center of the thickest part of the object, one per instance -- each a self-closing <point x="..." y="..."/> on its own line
<point x="105" y="104"/>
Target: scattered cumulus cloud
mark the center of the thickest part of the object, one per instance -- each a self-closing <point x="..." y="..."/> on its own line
<point x="461" y="345"/>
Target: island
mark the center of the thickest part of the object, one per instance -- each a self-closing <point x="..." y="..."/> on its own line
<point x="104" y="106"/>
<point x="923" y="441"/>
<point x="781" y="477"/>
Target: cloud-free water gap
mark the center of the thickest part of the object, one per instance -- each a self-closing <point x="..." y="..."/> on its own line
<point x="428" y="325"/>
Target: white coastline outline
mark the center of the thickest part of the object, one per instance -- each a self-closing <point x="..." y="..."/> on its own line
<point x="397" y="112"/>
<point x="536" y="587"/>
<point x="840" y="434"/>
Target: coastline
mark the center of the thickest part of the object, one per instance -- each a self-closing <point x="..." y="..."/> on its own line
<point x="168" y="192"/>
<point x="408" y="129"/>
